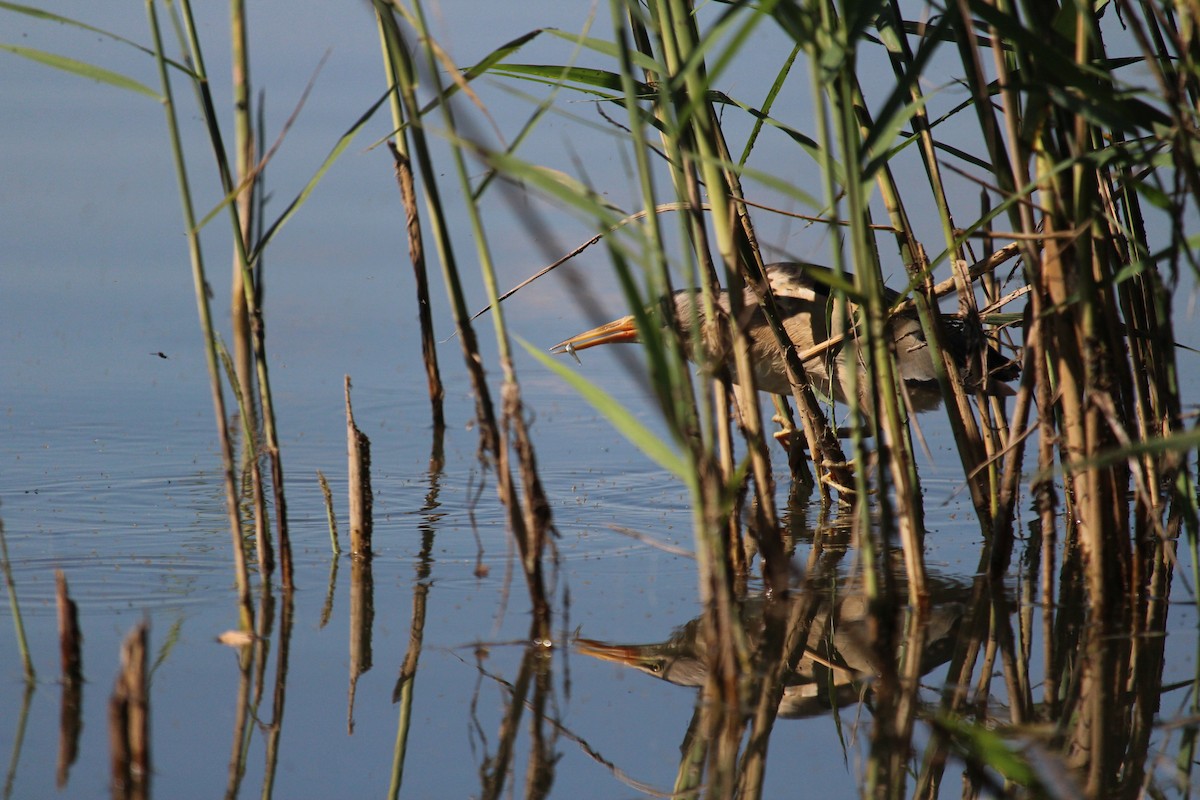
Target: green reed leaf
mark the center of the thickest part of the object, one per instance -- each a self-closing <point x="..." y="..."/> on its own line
<point x="82" y="69"/>
<point x="656" y="449"/>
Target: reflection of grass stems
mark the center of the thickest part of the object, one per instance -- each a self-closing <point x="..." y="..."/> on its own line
<point x="241" y="575"/>
<point x="18" y="621"/>
<point x="274" y="726"/>
<point x="403" y="691"/>
<point x="18" y="741"/>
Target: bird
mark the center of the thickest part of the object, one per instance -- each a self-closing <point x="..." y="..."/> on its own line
<point x="805" y="303"/>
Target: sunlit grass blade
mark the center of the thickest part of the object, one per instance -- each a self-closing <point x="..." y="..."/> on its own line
<point x="338" y="149"/>
<point x="82" y="69"/>
<point x="42" y="14"/>
<point x="621" y="418"/>
<point x="587" y="78"/>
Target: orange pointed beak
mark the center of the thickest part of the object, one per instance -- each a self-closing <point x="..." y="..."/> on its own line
<point x="620" y="330"/>
<point x="617" y="653"/>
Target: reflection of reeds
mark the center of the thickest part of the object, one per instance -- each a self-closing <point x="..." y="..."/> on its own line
<point x="129" y="721"/>
<point x="402" y="692"/>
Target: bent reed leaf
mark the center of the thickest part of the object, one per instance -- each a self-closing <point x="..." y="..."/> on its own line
<point x="82" y="69"/>
<point x="657" y="450"/>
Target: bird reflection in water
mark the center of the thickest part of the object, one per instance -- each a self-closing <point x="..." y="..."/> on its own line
<point x="838" y="663"/>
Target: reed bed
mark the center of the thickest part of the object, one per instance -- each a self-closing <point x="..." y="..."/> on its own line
<point x="1066" y="154"/>
<point x="1089" y="183"/>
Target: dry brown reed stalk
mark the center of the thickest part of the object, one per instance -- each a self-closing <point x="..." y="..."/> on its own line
<point x="358" y="473"/>
<point x="528" y="511"/>
<point x="244" y="148"/>
<point x="362" y="582"/>
<point x="129" y="720"/>
<point x="70" y="638"/>
<point x="416" y="251"/>
<point x="70" y="649"/>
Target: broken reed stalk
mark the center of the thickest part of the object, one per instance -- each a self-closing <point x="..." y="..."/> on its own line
<point x="200" y="284"/>
<point x="70" y="639"/>
<point x="362" y="592"/>
<point x="129" y="720"/>
<point x="70" y="650"/>
<point x="416" y="250"/>
<point x="358" y="473"/>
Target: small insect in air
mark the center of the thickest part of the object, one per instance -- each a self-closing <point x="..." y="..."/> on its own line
<point x="160" y="354"/>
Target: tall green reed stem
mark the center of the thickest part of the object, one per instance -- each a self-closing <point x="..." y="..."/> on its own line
<point x="250" y="272"/>
<point x="15" y="608"/>
<point x="241" y="574"/>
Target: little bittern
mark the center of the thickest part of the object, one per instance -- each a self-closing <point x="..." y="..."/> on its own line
<point x="806" y="308"/>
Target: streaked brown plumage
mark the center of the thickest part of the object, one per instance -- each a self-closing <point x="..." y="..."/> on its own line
<point x="803" y="298"/>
